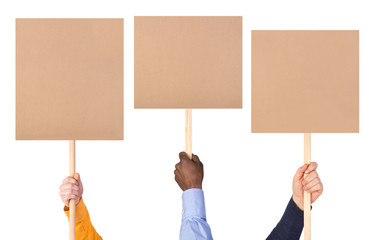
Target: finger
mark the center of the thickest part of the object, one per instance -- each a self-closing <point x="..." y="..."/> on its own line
<point x="311" y="167"/>
<point x="65" y="194"/>
<point x="310" y="177"/>
<point x="69" y="192"/>
<point x="65" y="180"/>
<point x="315" y="188"/>
<point x="65" y="201"/>
<point x="178" y="165"/>
<point x="311" y="184"/>
<point x="68" y="186"/>
<point x="77" y="177"/>
<point x="70" y="180"/>
<point x="68" y="198"/>
<point x="61" y="195"/>
<point x="178" y="180"/>
<point x="196" y="159"/>
<point x="183" y="156"/>
<point x="315" y="195"/>
<point x="72" y="196"/>
<point x="75" y="193"/>
<point x="300" y="172"/>
<point x="178" y="174"/>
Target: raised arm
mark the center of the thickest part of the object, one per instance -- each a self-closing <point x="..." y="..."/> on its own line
<point x="291" y="224"/>
<point x="189" y="176"/>
<point x="72" y="188"/>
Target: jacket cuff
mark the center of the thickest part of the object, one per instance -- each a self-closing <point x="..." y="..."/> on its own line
<point x="293" y="208"/>
<point x="81" y="211"/>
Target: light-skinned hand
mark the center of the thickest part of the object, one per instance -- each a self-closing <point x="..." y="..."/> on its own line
<point x="71" y="188"/>
<point x="311" y="183"/>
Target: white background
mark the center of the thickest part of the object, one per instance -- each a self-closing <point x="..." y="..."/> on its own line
<point x="129" y="186"/>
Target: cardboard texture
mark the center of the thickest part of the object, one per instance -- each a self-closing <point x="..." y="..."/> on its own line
<point x="305" y="81"/>
<point x="188" y="62"/>
<point x="69" y="79"/>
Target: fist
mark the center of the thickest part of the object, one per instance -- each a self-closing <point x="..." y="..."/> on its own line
<point x="311" y="183"/>
<point x="189" y="172"/>
<point x="71" y="188"/>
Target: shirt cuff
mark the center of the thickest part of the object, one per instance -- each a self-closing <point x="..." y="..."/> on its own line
<point x="80" y="211"/>
<point x="193" y="203"/>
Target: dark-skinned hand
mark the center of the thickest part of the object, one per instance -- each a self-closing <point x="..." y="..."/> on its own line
<point x="189" y="172"/>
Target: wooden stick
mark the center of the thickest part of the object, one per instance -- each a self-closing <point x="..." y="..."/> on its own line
<point x="307" y="196"/>
<point x="72" y="201"/>
<point x="188" y="132"/>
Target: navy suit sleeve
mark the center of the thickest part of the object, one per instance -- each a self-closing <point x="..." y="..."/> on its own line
<point x="291" y="224"/>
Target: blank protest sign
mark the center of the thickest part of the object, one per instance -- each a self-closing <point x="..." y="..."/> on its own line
<point x="188" y="62"/>
<point x="69" y="79"/>
<point x="305" y="81"/>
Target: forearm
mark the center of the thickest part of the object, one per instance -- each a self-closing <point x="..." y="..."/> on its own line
<point x="291" y="224"/>
<point x="84" y="227"/>
<point x="194" y="224"/>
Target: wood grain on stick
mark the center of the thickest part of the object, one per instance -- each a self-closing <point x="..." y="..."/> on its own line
<point x="307" y="196"/>
<point x="188" y="132"/>
<point x="72" y="201"/>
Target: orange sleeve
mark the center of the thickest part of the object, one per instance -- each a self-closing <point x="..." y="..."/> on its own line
<point x="84" y="227"/>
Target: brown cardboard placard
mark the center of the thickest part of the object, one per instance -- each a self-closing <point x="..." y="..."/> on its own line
<point x="188" y="62"/>
<point x="305" y="81"/>
<point x="69" y="79"/>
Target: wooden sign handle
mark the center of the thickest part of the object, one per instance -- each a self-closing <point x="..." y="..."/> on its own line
<point x="72" y="201"/>
<point x="307" y="196"/>
<point x="188" y="132"/>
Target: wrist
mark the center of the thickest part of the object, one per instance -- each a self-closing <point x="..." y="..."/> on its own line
<point x="298" y="201"/>
<point x="199" y="186"/>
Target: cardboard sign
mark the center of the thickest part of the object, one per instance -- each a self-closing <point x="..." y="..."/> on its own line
<point x="305" y="81"/>
<point x="69" y="79"/>
<point x="188" y="62"/>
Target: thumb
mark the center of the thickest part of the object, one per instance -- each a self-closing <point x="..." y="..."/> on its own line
<point x="300" y="172"/>
<point x="77" y="176"/>
<point x="195" y="158"/>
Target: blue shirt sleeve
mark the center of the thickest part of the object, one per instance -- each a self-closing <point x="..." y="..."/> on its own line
<point x="194" y="225"/>
<point x="291" y="224"/>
